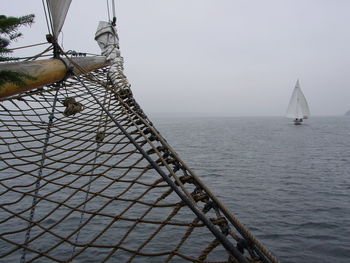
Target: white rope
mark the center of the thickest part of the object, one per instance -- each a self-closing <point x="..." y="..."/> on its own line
<point x="112" y="21"/>
<point x="47" y="21"/>
<point x="113" y="9"/>
<point x="50" y="17"/>
<point x="109" y="16"/>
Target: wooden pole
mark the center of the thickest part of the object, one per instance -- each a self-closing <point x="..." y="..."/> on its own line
<point x="47" y="71"/>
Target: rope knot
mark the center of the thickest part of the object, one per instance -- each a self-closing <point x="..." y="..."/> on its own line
<point x="222" y="223"/>
<point x="187" y="179"/>
<point x="100" y="136"/>
<point x="219" y="221"/>
<point x="72" y="107"/>
<point x="200" y="197"/>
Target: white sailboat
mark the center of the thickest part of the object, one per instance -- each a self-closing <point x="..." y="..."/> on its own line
<point x="298" y="109"/>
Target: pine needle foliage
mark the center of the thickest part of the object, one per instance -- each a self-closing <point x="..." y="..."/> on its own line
<point x="8" y="33"/>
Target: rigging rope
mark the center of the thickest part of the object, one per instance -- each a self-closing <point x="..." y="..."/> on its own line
<point x="48" y="24"/>
<point x="99" y="139"/>
<point x="33" y="45"/>
<point x="220" y="236"/>
<point x="41" y="54"/>
<point x="38" y="181"/>
<point x="114" y="15"/>
<point x="109" y="16"/>
<point x="114" y="19"/>
<point x="62" y="34"/>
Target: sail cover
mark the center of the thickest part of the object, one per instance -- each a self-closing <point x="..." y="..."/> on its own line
<point x="58" y="10"/>
<point x="298" y="107"/>
<point x="107" y="38"/>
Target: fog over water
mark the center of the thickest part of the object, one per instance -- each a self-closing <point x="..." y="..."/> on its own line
<point x="225" y="57"/>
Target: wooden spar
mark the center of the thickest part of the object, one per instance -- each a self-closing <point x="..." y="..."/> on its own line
<point x="47" y="71"/>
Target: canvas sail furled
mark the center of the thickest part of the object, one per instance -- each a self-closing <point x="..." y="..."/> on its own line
<point x="298" y="107"/>
<point x="108" y="40"/>
<point x="58" y="10"/>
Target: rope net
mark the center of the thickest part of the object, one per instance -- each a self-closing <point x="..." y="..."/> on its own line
<point x="86" y="177"/>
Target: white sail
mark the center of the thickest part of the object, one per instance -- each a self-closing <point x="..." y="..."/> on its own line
<point x="298" y="107"/>
<point x="58" y="10"/>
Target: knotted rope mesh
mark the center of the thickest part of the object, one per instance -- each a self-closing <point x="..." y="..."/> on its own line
<point x="75" y="188"/>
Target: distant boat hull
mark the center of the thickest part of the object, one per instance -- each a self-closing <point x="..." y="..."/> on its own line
<point x="298" y="121"/>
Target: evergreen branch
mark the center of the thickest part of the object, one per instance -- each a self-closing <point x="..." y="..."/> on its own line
<point x="15" y="36"/>
<point x="4" y="43"/>
<point x="8" y="33"/>
<point x="9" y="25"/>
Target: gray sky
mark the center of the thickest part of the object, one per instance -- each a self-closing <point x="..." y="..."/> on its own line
<point x="231" y="57"/>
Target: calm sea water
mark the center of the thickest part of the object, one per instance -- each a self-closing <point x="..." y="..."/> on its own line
<point x="289" y="184"/>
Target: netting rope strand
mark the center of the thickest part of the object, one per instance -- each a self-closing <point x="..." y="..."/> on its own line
<point x="242" y="229"/>
<point x="40" y="173"/>
<point x="98" y="145"/>
<point x="106" y="203"/>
